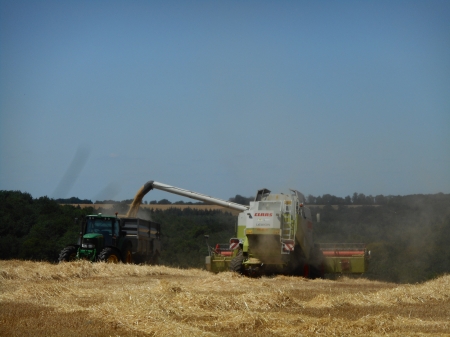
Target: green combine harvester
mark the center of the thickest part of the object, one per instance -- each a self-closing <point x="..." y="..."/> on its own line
<point x="275" y="236"/>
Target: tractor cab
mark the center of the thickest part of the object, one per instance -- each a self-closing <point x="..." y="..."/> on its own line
<point x="107" y="226"/>
<point x="98" y="232"/>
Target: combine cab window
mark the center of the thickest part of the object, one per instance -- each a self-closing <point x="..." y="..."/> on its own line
<point x="269" y="206"/>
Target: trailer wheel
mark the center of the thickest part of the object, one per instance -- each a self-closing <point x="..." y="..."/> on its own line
<point x="68" y="254"/>
<point x="109" y="255"/>
<point x="236" y="262"/>
<point x="127" y="257"/>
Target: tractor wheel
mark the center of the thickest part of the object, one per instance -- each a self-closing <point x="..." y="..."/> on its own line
<point x="127" y="257"/>
<point x="236" y="262"/>
<point x="68" y="254"/>
<point x="109" y="255"/>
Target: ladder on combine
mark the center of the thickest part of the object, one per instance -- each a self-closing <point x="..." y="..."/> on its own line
<point x="287" y="234"/>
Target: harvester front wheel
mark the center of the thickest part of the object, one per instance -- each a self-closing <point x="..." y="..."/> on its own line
<point x="236" y="262"/>
<point x="316" y="271"/>
<point x="109" y="255"/>
<point x="68" y="254"/>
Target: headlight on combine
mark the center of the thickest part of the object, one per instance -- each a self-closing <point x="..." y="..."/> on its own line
<point x="88" y="246"/>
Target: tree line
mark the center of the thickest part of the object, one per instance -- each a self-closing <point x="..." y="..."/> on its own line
<point x="326" y="199"/>
<point x="407" y="235"/>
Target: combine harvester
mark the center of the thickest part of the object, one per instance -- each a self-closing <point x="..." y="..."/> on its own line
<point x="274" y="236"/>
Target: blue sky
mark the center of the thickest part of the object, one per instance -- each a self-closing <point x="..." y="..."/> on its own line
<point x="224" y="97"/>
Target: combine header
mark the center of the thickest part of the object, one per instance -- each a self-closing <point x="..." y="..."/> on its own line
<point x="345" y="258"/>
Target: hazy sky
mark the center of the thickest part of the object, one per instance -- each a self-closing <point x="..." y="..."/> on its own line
<point x="224" y="97"/>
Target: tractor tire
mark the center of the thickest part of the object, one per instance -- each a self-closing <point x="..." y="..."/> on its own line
<point x="236" y="262"/>
<point x="68" y="254"/>
<point x="109" y="255"/>
<point x="127" y="257"/>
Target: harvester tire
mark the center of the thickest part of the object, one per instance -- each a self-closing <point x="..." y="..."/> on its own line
<point x="109" y="255"/>
<point x="236" y="262"/>
<point x="68" y="254"/>
<point x="316" y="272"/>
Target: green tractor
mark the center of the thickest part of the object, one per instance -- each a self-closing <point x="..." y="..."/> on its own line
<point x="111" y="239"/>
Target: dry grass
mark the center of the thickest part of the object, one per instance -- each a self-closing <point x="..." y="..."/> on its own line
<point x="82" y="298"/>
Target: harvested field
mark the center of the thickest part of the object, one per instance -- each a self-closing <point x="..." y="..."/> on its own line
<point x="97" y="299"/>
